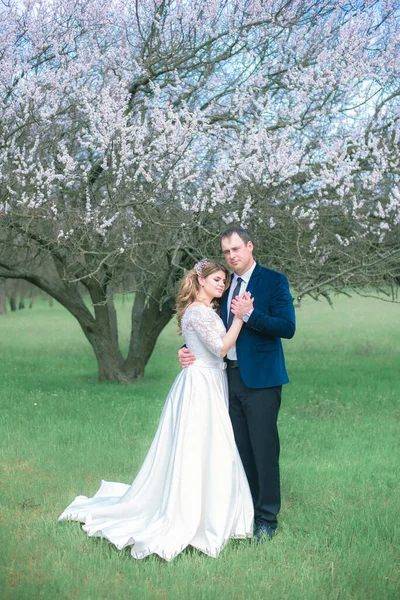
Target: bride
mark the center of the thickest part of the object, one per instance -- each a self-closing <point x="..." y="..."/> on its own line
<point x="191" y="488"/>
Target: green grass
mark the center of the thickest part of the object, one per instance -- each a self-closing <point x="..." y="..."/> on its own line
<point x="61" y="432"/>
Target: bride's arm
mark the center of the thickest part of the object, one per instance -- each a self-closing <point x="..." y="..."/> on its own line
<point x="231" y="335"/>
<point x="204" y="323"/>
<point x="229" y="339"/>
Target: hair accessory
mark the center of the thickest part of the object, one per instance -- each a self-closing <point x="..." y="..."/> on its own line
<point x="201" y="265"/>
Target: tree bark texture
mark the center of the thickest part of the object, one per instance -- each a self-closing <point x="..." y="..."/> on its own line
<point x="3" y="306"/>
<point x="100" y="326"/>
<point x="148" y="321"/>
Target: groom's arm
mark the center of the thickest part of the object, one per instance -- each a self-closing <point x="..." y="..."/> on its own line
<point x="281" y="321"/>
<point x="185" y="357"/>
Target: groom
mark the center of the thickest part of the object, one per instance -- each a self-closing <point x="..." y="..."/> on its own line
<point x="256" y="370"/>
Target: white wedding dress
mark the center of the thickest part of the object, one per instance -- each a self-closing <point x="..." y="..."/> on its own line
<point x="191" y="488"/>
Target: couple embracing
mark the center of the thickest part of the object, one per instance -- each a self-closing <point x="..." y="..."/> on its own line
<point x="210" y="473"/>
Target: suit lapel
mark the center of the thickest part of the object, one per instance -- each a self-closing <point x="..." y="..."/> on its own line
<point x="251" y="286"/>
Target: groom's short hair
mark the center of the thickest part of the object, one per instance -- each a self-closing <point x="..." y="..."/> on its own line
<point x="242" y="233"/>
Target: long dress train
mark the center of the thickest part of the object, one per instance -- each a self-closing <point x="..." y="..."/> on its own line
<point x="191" y="488"/>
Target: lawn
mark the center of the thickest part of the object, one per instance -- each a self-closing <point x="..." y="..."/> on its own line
<point x="61" y="432"/>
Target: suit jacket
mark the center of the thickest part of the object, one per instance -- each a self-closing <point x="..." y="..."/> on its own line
<point x="259" y="347"/>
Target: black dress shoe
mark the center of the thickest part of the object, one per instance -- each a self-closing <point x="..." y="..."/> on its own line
<point x="263" y="533"/>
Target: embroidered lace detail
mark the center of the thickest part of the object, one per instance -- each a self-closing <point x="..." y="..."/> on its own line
<point x="203" y="329"/>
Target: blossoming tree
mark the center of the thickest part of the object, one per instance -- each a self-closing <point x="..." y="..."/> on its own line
<point x="132" y="132"/>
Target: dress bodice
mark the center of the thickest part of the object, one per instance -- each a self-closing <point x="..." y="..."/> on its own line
<point x="203" y="330"/>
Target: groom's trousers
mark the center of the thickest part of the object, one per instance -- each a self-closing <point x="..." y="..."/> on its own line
<point x="254" y="416"/>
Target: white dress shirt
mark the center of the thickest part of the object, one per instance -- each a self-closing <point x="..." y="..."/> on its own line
<point x="243" y="286"/>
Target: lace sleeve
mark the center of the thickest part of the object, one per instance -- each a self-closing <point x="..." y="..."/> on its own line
<point x="203" y="321"/>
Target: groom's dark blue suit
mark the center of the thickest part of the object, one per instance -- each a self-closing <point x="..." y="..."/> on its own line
<point x="255" y="387"/>
<point x="259" y="348"/>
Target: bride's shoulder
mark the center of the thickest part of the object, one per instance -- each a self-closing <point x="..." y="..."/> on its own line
<point x="198" y="305"/>
<point x="198" y="308"/>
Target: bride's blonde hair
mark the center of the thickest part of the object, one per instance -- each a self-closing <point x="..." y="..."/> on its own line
<point x="190" y="286"/>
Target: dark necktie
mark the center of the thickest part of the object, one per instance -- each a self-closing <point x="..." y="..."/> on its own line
<point x="235" y="293"/>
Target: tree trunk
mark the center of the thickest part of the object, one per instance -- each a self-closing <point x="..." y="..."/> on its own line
<point x="103" y="335"/>
<point x="100" y="329"/>
<point x="32" y="296"/>
<point x="148" y="320"/>
<point x="3" y="306"/>
<point x="109" y="359"/>
<point x="23" y="292"/>
<point x="12" y="294"/>
<point x="147" y="323"/>
<point x="13" y="303"/>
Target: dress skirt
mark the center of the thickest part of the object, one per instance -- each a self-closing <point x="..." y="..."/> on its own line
<point x="191" y="489"/>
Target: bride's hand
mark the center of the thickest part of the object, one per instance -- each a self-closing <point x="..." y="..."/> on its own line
<point x="242" y="304"/>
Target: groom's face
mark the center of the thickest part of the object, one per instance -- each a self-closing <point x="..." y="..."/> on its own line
<point x="238" y="254"/>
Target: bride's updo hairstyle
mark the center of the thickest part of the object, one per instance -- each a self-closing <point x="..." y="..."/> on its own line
<point x="190" y="286"/>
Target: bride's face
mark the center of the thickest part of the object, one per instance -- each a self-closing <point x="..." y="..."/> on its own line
<point x="214" y="284"/>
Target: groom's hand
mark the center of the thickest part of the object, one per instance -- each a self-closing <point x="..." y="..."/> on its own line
<point x="186" y="358"/>
<point x="242" y="305"/>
